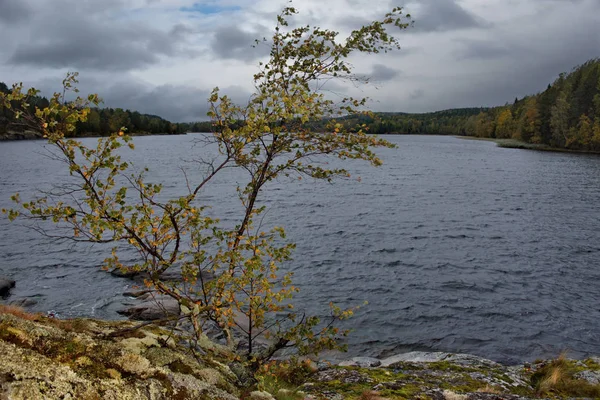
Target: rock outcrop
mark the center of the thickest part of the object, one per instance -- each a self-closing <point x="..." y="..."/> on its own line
<point x="48" y="358"/>
<point x="44" y="358"/>
<point x="448" y="376"/>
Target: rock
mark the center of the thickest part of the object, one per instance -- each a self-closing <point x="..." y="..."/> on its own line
<point x="25" y="302"/>
<point x="413" y="356"/>
<point x="244" y="376"/>
<point x="593" y="377"/>
<point x="123" y="273"/>
<point x="78" y="359"/>
<point x="425" y="357"/>
<point x="158" y="308"/>
<point x="416" y="375"/>
<point x="136" y="293"/>
<point x="346" y="376"/>
<point x="256" y="395"/>
<point x="5" y="286"/>
<point x="172" y="274"/>
<point x="362" y="362"/>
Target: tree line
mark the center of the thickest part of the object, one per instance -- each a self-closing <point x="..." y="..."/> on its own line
<point x="565" y="115"/>
<point x="100" y="121"/>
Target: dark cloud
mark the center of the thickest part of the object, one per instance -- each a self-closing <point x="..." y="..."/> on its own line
<point x="379" y="73"/>
<point x="442" y="15"/>
<point x="91" y="40"/>
<point x="428" y="16"/>
<point x="382" y="73"/>
<point x="417" y="94"/>
<point x="14" y="11"/>
<point x="231" y="42"/>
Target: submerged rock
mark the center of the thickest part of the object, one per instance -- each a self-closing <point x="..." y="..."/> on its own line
<point x="363" y="362"/>
<point x="154" y="307"/>
<point x="5" y="286"/>
<point x="24" y="302"/>
<point x="421" y="356"/>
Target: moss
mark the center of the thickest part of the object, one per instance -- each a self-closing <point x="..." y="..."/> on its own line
<point x="448" y="366"/>
<point x="161" y="356"/>
<point x="181" y="367"/>
<point x="592" y="364"/>
<point x="382" y="374"/>
<point x="403" y="391"/>
<point x="464" y="384"/>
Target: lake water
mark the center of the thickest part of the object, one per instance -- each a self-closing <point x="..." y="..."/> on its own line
<point x="457" y="245"/>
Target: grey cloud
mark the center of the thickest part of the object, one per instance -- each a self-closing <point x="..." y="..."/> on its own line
<point x="174" y="102"/>
<point x="428" y="16"/>
<point x="482" y="49"/>
<point x="417" y="94"/>
<point x="14" y="11"/>
<point x="442" y="15"/>
<point x="86" y="38"/>
<point x="230" y="42"/>
<point x="381" y="73"/>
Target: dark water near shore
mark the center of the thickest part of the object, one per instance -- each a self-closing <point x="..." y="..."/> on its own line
<point x="457" y="245"/>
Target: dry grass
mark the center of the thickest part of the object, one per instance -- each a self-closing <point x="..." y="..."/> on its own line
<point x="371" y="395"/>
<point x="450" y="395"/>
<point x="489" y="389"/>
<point x="19" y="312"/>
<point x="558" y="378"/>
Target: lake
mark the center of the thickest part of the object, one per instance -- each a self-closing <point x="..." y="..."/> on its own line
<point x="457" y="245"/>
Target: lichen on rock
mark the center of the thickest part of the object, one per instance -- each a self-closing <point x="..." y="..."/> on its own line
<point x="78" y="359"/>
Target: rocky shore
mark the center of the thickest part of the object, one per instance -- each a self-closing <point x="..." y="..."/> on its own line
<point x="48" y="358"/>
<point x="25" y="135"/>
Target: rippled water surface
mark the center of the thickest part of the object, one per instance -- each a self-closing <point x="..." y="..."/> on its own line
<point x="456" y="245"/>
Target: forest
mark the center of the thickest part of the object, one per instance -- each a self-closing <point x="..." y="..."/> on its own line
<point x="100" y="121"/>
<point x="565" y="115"/>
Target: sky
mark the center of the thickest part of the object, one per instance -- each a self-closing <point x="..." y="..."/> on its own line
<point x="163" y="57"/>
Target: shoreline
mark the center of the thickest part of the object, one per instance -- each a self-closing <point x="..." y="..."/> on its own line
<point x="518" y="144"/>
<point x="23" y="136"/>
<point x="92" y="358"/>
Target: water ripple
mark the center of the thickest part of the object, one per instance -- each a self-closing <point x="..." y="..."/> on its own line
<point x="456" y="245"/>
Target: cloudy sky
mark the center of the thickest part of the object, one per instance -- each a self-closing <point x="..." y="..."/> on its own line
<point x="164" y="56"/>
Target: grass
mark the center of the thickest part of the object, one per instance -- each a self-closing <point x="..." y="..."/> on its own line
<point x="282" y="378"/>
<point x="557" y="378"/>
<point x="19" y="313"/>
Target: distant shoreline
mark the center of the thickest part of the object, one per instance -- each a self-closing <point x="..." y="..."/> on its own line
<point x="518" y="144"/>
<point x="30" y="135"/>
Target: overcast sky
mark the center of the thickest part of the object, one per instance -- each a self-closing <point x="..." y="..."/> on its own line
<point x="164" y="56"/>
